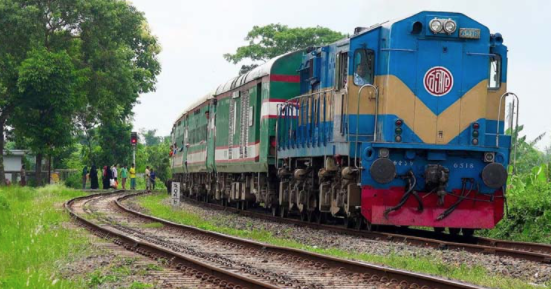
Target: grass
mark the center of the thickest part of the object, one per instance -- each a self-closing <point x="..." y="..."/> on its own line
<point x="34" y="243"/>
<point x="476" y="275"/>
<point x="152" y="225"/>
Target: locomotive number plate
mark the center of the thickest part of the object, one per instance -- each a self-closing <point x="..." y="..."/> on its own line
<point x="471" y="33"/>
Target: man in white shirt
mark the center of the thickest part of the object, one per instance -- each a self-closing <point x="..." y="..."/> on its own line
<point x="147" y="179"/>
<point x="359" y="75"/>
<point x="114" y="170"/>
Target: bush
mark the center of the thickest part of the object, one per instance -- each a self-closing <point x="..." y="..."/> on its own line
<point x="74" y="180"/>
<point x="529" y="216"/>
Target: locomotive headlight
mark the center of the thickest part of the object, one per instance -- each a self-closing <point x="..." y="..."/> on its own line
<point x="450" y="26"/>
<point x="435" y="25"/>
<point x="384" y="153"/>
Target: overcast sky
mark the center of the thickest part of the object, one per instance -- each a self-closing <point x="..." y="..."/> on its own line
<point x="195" y="34"/>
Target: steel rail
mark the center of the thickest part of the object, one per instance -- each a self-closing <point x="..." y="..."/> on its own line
<point x="521" y="250"/>
<point x="406" y="279"/>
<point x="215" y="275"/>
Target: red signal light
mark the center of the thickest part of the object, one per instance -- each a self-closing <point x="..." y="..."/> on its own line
<point x="399" y="122"/>
<point x="476" y="125"/>
<point x="134" y="138"/>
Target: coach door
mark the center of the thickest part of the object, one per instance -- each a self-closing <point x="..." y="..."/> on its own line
<point x="439" y="83"/>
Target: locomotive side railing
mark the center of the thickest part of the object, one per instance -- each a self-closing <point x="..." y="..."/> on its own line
<point x="515" y="130"/>
<point x="304" y="121"/>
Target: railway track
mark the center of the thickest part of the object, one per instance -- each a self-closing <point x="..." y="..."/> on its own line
<point x="521" y="250"/>
<point x="224" y="261"/>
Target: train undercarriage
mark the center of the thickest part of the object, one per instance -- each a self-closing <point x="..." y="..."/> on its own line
<point x="321" y="190"/>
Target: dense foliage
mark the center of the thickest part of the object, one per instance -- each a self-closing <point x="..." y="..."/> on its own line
<point x="72" y="66"/>
<point x="266" y="42"/>
<point x="528" y="196"/>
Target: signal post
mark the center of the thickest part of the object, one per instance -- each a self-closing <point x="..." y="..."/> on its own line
<point x="134" y="142"/>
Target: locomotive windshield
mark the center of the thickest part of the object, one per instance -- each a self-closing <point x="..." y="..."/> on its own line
<point x="364" y="67"/>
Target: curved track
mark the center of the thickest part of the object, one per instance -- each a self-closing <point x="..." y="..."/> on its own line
<point x="236" y="262"/>
<point x="521" y="250"/>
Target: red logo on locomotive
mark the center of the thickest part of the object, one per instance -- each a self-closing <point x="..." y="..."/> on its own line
<point x="438" y="81"/>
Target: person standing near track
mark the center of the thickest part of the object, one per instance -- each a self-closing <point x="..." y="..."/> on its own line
<point x="147" y="180"/>
<point x="106" y="177"/>
<point x="84" y="176"/>
<point x="124" y="175"/>
<point x="152" y="178"/>
<point x="94" y="178"/>
<point x="115" y="173"/>
<point x="132" y="177"/>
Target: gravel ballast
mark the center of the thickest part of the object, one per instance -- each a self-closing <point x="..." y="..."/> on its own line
<point x="532" y="272"/>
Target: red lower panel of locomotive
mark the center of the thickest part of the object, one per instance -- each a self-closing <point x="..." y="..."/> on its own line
<point x="475" y="211"/>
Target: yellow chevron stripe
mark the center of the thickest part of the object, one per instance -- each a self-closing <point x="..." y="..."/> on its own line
<point x="397" y="99"/>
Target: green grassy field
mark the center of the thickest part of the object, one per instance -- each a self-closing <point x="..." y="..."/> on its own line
<point x="478" y="275"/>
<point x="34" y="239"/>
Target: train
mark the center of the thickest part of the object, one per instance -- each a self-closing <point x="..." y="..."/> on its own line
<point x="400" y="124"/>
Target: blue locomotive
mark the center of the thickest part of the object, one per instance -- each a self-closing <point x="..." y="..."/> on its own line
<point x="401" y="124"/>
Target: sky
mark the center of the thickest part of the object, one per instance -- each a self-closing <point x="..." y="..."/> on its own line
<point x="195" y="34"/>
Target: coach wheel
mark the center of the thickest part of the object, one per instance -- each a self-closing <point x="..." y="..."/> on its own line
<point x="454" y="231"/>
<point x="467" y="232"/>
<point x="275" y="210"/>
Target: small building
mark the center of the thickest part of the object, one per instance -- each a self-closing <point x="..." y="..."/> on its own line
<point x="13" y="160"/>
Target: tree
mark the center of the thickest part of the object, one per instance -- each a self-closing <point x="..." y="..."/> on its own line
<point x="111" y="50"/>
<point x="266" y="42"/>
<point x="115" y="143"/>
<point x="150" y="137"/>
<point x="46" y="102"/>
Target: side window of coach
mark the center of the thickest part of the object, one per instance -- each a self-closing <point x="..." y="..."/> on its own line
<point x="364" y="67"/>
<point x="494" y="81"/>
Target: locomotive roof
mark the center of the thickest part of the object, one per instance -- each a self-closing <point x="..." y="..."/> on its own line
<point x="257" y="72"/>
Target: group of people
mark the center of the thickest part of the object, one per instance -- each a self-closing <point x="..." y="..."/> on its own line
<point x="149" y="178"/>
<point x="110" y="177"/>
<point x="174" y="149"/>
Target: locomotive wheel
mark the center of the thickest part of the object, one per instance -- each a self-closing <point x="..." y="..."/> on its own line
<point x="321" y="217"/>
<point x="303" y="216"/>
<point x="454" y="231"/>
<point x="312" y="216"/>
<point x="283" y="212"/>
<point x="467" y="232"/>
<point x="361" y="223"/>
<point x="349" y="222"/>
<point x="439" y="230"/>
<point x="275" y="210"/>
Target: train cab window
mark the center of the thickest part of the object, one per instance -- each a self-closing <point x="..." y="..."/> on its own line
<point x="341" y="72"/>
<point x="364" y="67"/>
<point x="494" y="81"/>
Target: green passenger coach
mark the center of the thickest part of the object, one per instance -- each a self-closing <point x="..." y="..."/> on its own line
<point x="224" y="144"/>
